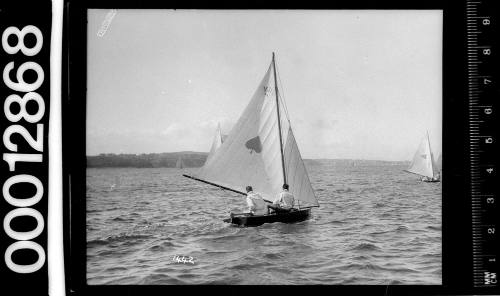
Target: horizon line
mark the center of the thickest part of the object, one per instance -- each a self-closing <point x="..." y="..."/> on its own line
<point x="187" y="151"/>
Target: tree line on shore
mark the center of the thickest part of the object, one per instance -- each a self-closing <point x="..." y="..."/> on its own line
<point x="150" y="160"/>
<point x="197" y="159"/>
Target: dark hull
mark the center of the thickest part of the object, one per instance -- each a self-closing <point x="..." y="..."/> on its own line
<point x="431" y="181"/>
<point x="257" y="220"/>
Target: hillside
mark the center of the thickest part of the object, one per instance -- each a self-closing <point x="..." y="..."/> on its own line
<point x="192" y="159"/>
<point x="151" y="160"/>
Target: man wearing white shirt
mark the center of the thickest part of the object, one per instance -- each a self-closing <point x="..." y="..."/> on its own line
<point x="285" y="200"/>
<point x="256" y="205"/>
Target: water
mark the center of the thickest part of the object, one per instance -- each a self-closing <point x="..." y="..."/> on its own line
<point x="376" y="225"/>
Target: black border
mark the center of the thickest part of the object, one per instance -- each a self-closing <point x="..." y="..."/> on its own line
<point x="456" y="230"/>
<point x="17" y="15"/>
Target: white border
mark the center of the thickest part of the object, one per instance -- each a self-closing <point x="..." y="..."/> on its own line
<point x="55" y="247"/>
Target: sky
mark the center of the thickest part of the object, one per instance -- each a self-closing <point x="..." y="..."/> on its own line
<point x="358" y="84"/>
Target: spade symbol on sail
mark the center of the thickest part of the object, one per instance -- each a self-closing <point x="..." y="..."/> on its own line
<point x="254" y="144"/>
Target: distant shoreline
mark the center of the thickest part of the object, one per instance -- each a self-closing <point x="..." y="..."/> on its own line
<point x="191" y="159"/>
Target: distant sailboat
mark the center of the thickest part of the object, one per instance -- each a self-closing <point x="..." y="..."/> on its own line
<point x="261" y="151"/>
<point x="219" y="138"/>
<point x="423" y="163"/>
<point x="180" y="163"/>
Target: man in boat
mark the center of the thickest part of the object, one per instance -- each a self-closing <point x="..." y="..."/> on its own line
<point x="256" y="205"/>
<point x="284" y="202"/>
<point x="430" y="179"/>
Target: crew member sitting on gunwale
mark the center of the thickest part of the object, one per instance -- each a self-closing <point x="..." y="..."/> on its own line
<point x="284" y="202"/>
<point x="256" y="205"/>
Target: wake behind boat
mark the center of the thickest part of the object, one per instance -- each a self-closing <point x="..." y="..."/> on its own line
<point x="261" y="150"/>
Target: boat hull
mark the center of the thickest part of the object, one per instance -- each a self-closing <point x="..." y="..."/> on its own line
<point x="247" y="220"/>
<point x="431" y="181"/>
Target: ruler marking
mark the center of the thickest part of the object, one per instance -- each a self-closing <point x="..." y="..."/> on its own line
<point x="479" y="207"/>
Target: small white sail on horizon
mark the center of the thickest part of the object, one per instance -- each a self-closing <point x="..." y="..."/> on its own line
<point x="423" y="161"/>
<point x="180" y="163"/>
<point x="219" y="138"/>
<point x="256" y="153"/>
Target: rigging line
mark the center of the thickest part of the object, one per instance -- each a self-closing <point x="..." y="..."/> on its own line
<point x="279" y="120"/>
<point x="290" y="124"/>
<point x="282" y="100"/>
<point x="286" y="111"/>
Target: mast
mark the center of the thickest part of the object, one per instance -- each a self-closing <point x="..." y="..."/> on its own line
<point x="279" y="121"/>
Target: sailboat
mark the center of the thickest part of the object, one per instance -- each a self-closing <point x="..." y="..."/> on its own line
<point x="180" y="163"/>
<point x="219" y="138"/>
<point x="423" y="163"/>
<point x="261" y="151"/>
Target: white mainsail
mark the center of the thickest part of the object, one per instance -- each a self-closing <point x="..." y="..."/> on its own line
<point x="423" y="163"/>
<point x="251" y="154"/>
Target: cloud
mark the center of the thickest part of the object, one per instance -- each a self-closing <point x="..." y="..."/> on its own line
<point x="173" y="129"/>
<point x="226" y="125"/>
<point x="324" y="123"/>
<point x="196" y="136"/>
<point x="201" y="128"/>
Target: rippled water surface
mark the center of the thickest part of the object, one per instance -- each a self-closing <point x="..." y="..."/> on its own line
<point x="376" y="225"/>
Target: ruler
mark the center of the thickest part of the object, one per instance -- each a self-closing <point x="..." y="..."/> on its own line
<point x="483" y="95"/>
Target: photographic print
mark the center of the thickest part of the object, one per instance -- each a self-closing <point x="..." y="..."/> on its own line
<point x="264" y="147"/>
